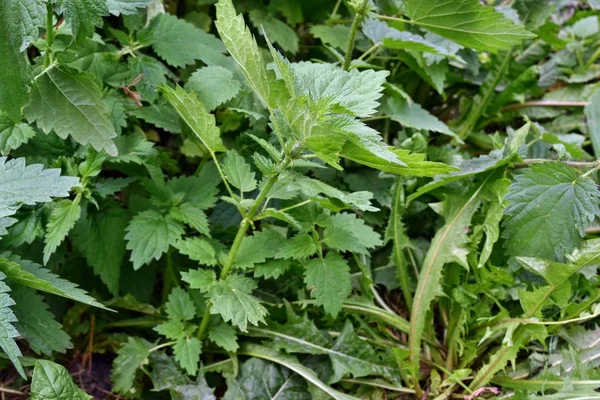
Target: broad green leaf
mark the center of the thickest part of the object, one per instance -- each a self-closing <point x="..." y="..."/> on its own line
<point x="592" y="117"/>
<point x="225" y="337"/>
<point x="26" y="230"/>
<point x="37" y="324"/>
<point x="200" y="279"/>
<point x="328" y="281"/>
<point x="198" y="249"/>
<point x="126" y="7"/>
<point x="178" y="42"/>
<point x="332" y="35"/>
<point x="132" y="355"/>
<point x="346" y="232"/>
<point x="83" y="15"/>
<point x="494" y="195"/>
<point x="293" y="364"/>
<point x="161" y="116"/>
<point x="549" y="207"/>
<point x="448" y="245"/>
<point x="298" y="247"/>
<point x="190" y="214"/>
<point x="238" y="172"/>
<point x="64" y="215"/>
<point x="201" y="191"/>
<point x="258" y="247"/>
<point x="8" y="333"/>
<point x="275" y="29"/>
<point x="272" y="269"/>
<point x="71" y="105"/>
<point x="149" y="236"/>
<point x="259" y="379"/>
<point x="195" y="115"/>
<point x="357" y="92"/>
<point x="187" y="353"/>
<point x="134" y="149"/>
<point x="100" y="239"/>
<point x="53" y="381"/>
<point x="172" y="329"/>
<point x="232" y="298"/>
<point x="467" y="22"/>
<point x="13" y="135"/>
<point x="180" y="305"/>
<point x="243" y="48"/>
<point x="30" y="274"/>
<point x="214" y="85"/>
<point x="412" y="115"/>
<point x="19" y="23"/>
<point x="350" y="356"/>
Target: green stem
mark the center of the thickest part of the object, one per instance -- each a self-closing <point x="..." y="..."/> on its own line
<point x="403" y="274"/>
<point x="335" y="10"/>
<point x="592" y="59"/>
<point x="170" y="278"/>
<point x="239" y="237"/>
<point x="360" y="14"/>
<point x="49" y="33"/>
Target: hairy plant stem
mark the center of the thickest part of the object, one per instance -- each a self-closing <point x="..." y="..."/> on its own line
<point x="544" y="103"/>
<point x="49" y="33"/>
<point x="360" y="14"/>
<point x="239" y="237"/>
<point x="403" y="274"/>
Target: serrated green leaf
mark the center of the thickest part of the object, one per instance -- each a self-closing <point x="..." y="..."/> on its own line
<point x="348" y="233"/>
<point x="126" y="7"/>
<point x="198" y="249"/>
<point x="328" y="281"/>
<point x="225" y="337"/>
<point x="149" y="235"/>
<point x="30" y="274"/>
<point x="299" y="247"/>
<point x="71" y="105"/>
<point x="332" y="35"/>
<point x="549" y="207"/>
<point x="161" y="116"/>
<point x="276" y="30"/>
<point x="231" y="297"/>
<point x="257" y="248"/>
<point x="272" y="269"/>
<point x="13" y="135"/>
<point x="133" y="149"/>
<point x="201" y="191"/>
<point x="100" y="239"/>
<point x="259" y="379"/>
<point x="214" y="85"/>
<point x="189" y="214"/>
<point x="64" y="215"/>
<point x="8" y="333"/>
<point x="37" y="324"/>
<point x="200" y="279"/>
<point x="172" y="329"/>
<point x="243" y="48"/>
<point x="19" y="23"/>
<point x="178" y="42"/>
<point x="187" y="353"/>
<point x="195" y="115"/>
<point x="467" y="22"/>
<point x="412" y="115"/>
<point x="26" y="230"/>
<point x="180" y="305"/>
<point x="132" y="355"/>
<point x="238" y="172"/>
<point x="52" y="381"/>
<point x="84" y="15"/>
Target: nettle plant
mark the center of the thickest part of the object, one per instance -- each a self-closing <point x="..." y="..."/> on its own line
<point x="268" y="228"/>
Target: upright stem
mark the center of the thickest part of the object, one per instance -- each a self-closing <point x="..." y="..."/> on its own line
<point x="403" y="274"/>
<point x="239" y="237"/>
<point x="360" y="13"/>
<point x="49" y="33"/>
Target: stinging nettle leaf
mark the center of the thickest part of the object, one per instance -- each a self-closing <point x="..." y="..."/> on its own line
<point x="53" y="381"/>
<point x="71" y="105"/>
<point x="64" y="215"/>
<point x="149" y="236"/>
<point x="238" y="172"/>
<point x="467" y="22"/>
<point x="84" y="15"/>
<point x="180" y="305"/>
<point x="126" y="7"/>
<point x="549" y="207"/>
<point x="214" y="85"/>
<point x="13" y="135"/>
<point x="329" y="282"/>
<point x="132" y="355"/>
<point x="195" y="115"/>
<point x="8" y="333"/>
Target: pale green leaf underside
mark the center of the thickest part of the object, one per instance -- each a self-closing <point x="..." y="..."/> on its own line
<point x="52" y="381"/>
